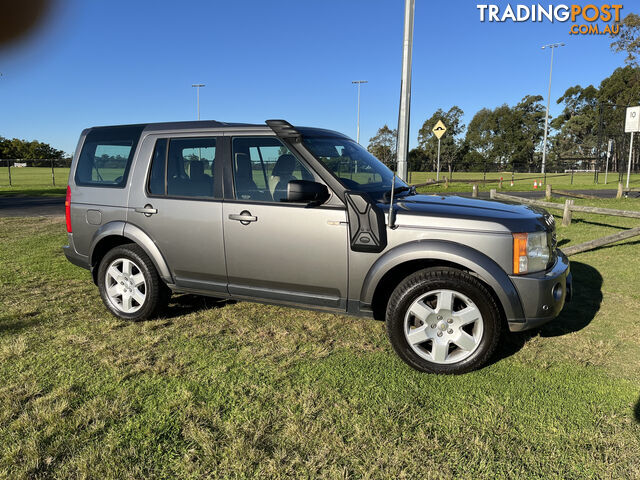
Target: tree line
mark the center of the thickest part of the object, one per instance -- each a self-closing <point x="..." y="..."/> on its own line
<point x="510" y="137"/>
<point x="17" y="149"/>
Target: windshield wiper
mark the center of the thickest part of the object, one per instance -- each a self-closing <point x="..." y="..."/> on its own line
<point x="411" y="189"/>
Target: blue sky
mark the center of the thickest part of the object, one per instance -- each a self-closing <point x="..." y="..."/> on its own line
<point x="114" y="62"/>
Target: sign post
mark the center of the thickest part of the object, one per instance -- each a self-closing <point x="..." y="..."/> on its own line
<point x="438" y="131"/>
<point x="606" y="171"/>
<point x="631" y="124"/>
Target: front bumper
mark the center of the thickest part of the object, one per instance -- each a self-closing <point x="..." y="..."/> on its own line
<point x="542" y="294"/>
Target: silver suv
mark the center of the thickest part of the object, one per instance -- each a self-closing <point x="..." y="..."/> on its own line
<point x="306" y="217"/>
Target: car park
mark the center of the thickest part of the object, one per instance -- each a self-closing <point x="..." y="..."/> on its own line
<point x="306" y="217"/>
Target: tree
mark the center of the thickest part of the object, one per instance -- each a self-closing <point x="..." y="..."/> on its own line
<point x="383" y="145"/>
<point x="507" y="143"/>
<point x="628" y="39"/>
<point x="531" y="113"/>
<point x="506" y="137"/>
<point x="418" y="160"/>
<point x="22" y="149"/>
<point x="577" y="125"/>
<point x="593" y="115"/>
<point x="480" y="140"/>
<point x="450" y="144"/>
<point x="615" y="93"/>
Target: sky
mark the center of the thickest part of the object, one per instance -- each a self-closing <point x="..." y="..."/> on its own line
<point x="120" y="62"/>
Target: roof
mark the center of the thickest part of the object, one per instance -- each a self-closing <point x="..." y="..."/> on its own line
<point x="190" y="124"/>
<point x="204" y="124"/>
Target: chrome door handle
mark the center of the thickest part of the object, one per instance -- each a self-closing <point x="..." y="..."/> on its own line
<point x="243" y="217"/>
<point x="148" y="210"/>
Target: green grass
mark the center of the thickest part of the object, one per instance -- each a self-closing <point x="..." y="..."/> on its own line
<point x="30" y="181"/>
<point x="522" y="181"/>
<point x="33" y="181"/>
<point x="240" y="390"/>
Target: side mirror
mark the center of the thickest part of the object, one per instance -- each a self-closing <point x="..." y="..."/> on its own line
<point x="305" y="191"/>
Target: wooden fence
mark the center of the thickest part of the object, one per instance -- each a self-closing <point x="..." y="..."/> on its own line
<point x="567" y="208"/>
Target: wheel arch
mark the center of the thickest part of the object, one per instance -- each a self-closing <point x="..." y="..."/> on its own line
<point x="118" y="233"/>
<point x="399" y="262"/>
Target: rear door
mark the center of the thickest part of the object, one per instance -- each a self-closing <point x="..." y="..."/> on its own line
<point x="279" y="251"/>
<point x="99" y="180"/>
<point x="175" y="201"/>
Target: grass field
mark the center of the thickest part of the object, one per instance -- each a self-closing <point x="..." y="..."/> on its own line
<point x="240" y="390"/>
<point x="33" y="181"/>
<point x="522" y="181"/>
<point x="37" y="181"/>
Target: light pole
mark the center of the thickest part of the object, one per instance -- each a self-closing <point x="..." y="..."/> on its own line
<point x="546" y="117"/>
<point x="198" y="85"/>
<point x="359" y="82"/>
<point x="405" y="90"/>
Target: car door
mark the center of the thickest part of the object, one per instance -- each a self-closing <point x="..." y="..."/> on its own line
<point x="176" y="205"/>
<point x="279" y="251"/>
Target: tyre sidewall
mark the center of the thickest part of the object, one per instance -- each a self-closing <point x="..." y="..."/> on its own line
<point x="150" y="276"/>
<point x="435" y="279"/>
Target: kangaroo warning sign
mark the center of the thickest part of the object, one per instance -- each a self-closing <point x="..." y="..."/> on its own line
<point x="439" y="129"/>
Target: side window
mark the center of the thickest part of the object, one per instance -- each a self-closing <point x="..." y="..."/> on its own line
<point x="158" y="167"/>
<point x="106" y="156"/>
<point x="187" y="165"/>
<point x="263" y="167"/>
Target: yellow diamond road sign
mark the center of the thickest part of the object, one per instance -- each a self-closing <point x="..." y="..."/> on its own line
<point x="439" y="129"/>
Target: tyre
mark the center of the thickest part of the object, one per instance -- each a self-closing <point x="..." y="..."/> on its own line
<point x="443" y="320"/>
<point x="129" y="284"/>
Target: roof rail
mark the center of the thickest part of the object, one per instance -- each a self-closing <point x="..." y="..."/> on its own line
<point x="284" y="129"/>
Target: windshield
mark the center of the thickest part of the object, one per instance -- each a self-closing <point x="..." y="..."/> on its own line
<point x="356" y="168"/>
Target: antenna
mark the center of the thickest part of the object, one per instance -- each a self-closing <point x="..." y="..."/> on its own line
<point x="392" y="213"/>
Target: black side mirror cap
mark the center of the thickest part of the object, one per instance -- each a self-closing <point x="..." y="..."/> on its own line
<point x="306" y="191"/>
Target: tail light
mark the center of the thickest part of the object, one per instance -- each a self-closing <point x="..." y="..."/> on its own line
<point x="67" y="209"/>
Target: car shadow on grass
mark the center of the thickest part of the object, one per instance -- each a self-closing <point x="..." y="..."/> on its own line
<point x="187" y="303"/>
<point x="636" y="411"/>
<point x="15" y="323"/>
<point x="576" y="314"/>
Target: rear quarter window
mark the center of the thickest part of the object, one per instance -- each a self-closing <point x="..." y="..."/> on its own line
<point x="106" y="156"/>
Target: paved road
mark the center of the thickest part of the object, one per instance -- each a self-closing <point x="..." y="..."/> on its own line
<point x="31" y="206"/>
<point x="39" y="206"/>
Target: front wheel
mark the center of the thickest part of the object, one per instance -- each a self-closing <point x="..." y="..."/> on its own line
<point x="443" y="320"/>
<point x="129" y="284"/>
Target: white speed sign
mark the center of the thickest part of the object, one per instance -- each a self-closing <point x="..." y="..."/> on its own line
<point x="632" y="121"/>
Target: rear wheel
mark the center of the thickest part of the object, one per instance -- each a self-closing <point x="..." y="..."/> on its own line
<point x="129" y="284"/>
<point x="443" y="320"/>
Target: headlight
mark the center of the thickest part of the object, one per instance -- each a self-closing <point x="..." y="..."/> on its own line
<point x="530" y="252"/>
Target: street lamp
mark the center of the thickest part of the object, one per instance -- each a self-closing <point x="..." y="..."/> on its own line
<point x="359" y="82"/>
<point x="405" y="91"/>
<point x="198" y="85"/>
<point x="546" y="118"/>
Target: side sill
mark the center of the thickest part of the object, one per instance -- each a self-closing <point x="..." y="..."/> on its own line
<point x="359" y="309"/>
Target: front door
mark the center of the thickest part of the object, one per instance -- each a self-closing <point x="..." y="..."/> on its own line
<point x="276" y="250"/>
<point x="177" y="208"/>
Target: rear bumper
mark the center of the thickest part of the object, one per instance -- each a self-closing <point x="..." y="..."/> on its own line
<point x="542" y="294"/>
<point x="73" y="256"/>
